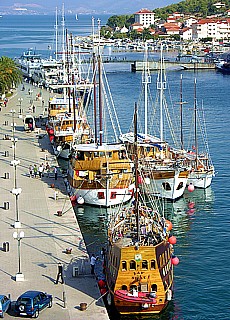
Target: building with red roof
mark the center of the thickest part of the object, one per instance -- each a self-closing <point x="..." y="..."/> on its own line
<point x="145" y="17"/>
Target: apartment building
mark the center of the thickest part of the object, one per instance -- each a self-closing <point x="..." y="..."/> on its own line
<point x="145" y="17"/>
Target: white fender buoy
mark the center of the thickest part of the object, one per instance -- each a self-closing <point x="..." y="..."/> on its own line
<point x="80" y="200"/>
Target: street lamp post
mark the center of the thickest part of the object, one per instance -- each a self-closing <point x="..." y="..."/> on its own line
<point x="17" y="192"/>
<point x="19" y="236"/>
<point x="20" y="105"/>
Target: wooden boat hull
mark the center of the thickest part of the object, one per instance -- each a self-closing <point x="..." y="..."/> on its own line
<point x="137" y="307"/>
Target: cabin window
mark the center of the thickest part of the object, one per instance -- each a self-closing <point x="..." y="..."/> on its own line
<point x="180" y="185"/>
<point x="166" y="186"/>
<point x="124" y="266"/>
<point x="153" y="264"/>
<point x="80" y="155"/>
<point x="96" y="154"/>
<point x="101" y="195"/>
<point x="144" y="287"/>
<point x="144" y="264"/>
<point x="102" y="154"/>
<point x="154" y="287"/>
<point x="109" y="154"/>
<point x="124" y="287"/>
<point x="113" y="195"/>
<point x="132" y="265"/>
<point x="133" y="287"/>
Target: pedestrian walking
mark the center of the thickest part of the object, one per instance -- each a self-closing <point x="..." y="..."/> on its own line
<point x="31" y="171"/>
<point x="35" y="171"/>
<point x="48" y="169"/>
<point x="40" y="170"/>
<point x="93" y="262"/>
<point x="60" y="273"/>
<point x="55" y="173"/>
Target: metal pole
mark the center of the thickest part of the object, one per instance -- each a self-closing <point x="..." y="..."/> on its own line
<point x="17" y="212"/>
<point x="19" y="255"/>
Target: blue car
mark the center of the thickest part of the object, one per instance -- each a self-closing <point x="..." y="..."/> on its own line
<point x="5" y="304"/>
<point x="31" y="303"/>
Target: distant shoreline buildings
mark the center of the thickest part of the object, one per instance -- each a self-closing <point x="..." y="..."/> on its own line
<point x="187" y="27"/>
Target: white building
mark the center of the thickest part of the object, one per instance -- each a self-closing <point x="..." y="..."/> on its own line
<point x="145" y="17"/>
<point x="186" y="33"/>
<point x="189" y="21"/>
<point x="215" y="28"/>
<point x="124" y="30"/>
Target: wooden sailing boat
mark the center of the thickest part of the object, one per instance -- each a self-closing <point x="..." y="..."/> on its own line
<point x="67" y="121"/>
<point x="202" y="169"/>
<point x="100" y="172"/>
<point x="139" y="261"/>
<point x="160" y="164"/>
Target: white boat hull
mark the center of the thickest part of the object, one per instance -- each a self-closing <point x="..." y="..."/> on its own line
<point x="103" y="197"/>
<point x="200" y="179"/>
<point x="167" y="188"/>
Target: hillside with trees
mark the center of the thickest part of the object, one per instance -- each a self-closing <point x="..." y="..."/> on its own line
<point x="199" y="8"/>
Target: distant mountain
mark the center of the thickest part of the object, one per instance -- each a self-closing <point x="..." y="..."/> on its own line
<point x="76" y="6"/>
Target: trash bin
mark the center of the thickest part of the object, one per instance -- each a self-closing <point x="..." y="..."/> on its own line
<point x="6" y="205"/>
<point x="6" y="246"/>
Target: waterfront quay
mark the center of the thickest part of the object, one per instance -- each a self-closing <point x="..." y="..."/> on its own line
<point x="155" y="65"/>
<point x="38" y="225"/>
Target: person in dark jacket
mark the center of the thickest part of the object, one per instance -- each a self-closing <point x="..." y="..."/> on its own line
<point x="60" y="273"/>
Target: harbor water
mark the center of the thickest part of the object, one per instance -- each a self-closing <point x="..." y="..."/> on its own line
<point x="201" y="284"/>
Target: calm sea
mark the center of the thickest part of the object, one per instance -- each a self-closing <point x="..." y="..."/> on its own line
<point x="201" y="279"/>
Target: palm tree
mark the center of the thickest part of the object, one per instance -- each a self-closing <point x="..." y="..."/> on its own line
<point x="10" y="75"/>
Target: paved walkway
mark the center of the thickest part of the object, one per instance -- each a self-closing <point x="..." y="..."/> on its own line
<point x="47" y="235"/>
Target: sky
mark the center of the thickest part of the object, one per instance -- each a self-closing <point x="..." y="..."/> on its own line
<point x="88" y="6"/>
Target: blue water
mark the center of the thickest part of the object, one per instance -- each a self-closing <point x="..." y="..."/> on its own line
<point x="201" y="279"/>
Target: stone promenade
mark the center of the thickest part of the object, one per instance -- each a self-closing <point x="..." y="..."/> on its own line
<point x="47" y="234"/>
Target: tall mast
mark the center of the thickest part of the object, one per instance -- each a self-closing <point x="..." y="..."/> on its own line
<point x="146" y="79"/>
<point x="181" y="114"/>
<point x="56" y="35"/>
<point x="195" y="122"/>
<point x="94" y="85"/>
<point x="73" y="81"/>
<point x="100" y="89"/>
<point x="136" y="173"/>
<point x="63" y="42"/>
<point x="161" y="85"/>
<point x="95" y="97"/>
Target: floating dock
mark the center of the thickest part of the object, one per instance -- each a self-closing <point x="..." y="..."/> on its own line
<point x="174" y="65"/>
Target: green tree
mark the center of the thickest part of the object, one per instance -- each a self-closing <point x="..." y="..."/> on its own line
<point x="10" y="75"/>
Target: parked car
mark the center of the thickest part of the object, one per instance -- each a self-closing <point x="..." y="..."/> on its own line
<point x="5" y="304"/>
<point x="31" y="303"/>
